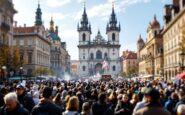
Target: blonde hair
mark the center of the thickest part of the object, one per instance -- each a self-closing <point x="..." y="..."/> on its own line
<point x="73" y="104"/>
<point x="181" y="109"/>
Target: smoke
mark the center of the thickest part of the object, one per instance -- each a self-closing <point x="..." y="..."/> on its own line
<point x="67" y="77"/>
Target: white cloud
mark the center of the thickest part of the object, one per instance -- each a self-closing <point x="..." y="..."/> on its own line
<point x="80" y="1"/>
<point x="103" y="10"/>
<point x="57" y="3"/>
<point x="56" y="16"/>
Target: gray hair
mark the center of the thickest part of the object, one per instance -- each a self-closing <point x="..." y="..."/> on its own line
<point x="10" y="97"/>
<point x="181" y="109"/>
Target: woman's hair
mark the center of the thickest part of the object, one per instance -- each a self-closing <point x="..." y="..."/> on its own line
<point x="57" y="98"/>
<point x="112" y="97"/>
<point x="73" y="104"/>
<point x="85" y="107"/>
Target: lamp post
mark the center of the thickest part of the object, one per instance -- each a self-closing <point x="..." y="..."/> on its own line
<point x="182" y="61"/>
<point x="21" y="68"/>
<point x="4" y="72"/>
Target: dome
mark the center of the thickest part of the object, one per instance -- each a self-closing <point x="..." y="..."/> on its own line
<point x="155" y="23"/>
<point x="140" y="40"/>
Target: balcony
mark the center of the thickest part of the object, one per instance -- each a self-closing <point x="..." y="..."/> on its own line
<point x="5" y="27"/>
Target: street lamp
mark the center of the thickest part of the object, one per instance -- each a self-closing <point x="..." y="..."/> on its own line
<point x="21" y="68"/>
<point x="182" y="61"/>
<point x="4" y="69"/>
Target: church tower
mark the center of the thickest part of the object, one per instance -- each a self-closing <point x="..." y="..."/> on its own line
<point x="113" y="29"/>
<point x="84" y="29"/>
<point x="38" y="17"/>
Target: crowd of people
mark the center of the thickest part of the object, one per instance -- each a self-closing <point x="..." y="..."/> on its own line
<point x="120" y="97"/>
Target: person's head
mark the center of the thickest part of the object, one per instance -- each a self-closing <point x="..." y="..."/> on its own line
<point x="73" y="104"/>
<point x="181" y="110"/>
<point x="135" y="97"/>
<point x="181" y="94"/>
<point x="57" y="98"/>
<point x="152" y="95"/>
<point x="102" y="97"/>
<point x="86" y="107"/>
<point x="11" y="101"/>
<point x="174" y="96"/>
<point x="47" y="92"/>
<point x="125" y="98"/>
<point x="19" y="90"/>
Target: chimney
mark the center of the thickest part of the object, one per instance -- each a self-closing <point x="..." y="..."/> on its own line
<point x="175" y="2"/>
<point x="56" y="30"/>
<point x="15" y="23"/>
<point x="167" y="13"/>
<point x="24" y="25"/>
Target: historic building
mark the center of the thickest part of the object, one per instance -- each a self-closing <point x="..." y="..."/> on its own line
<point x="150" y="53"/>
<point x="33" y="44"/>
<point x="92" y="52"/>
<point x="174" y="19"/>
<point x="60" y="59"/>
<point x="74" y="67"/>
<point x="7" y="12"/>
<point x="129" y="63"/>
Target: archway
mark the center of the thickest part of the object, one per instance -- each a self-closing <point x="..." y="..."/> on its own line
<point x="98" y="68"/>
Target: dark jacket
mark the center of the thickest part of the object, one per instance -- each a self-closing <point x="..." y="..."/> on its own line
<point x="46" y="108"/>
<point x="179" y="103"/>
<point x="26" y="101"/>
<point x="99" y="108"/>
<point x="154" y="108"/>
<point x="170" y="105"/>
<point x="123" y="108"/>
<point x="19" y="110"/>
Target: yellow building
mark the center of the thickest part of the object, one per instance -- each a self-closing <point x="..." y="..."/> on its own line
<point x="174" y="19"/>
<point x="150" y="52"/>
<point x="129" y="64"/>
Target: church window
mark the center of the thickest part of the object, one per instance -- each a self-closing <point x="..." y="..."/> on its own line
<point x="113" y="68"/>
<point x="98" y="54"/>
<point x="113" y="37"/>
<point x="83" y="68"/>
<point x="105" y="55"/>
<point x="83" y="57"/>
<point x="84" y="37"/>
<point x="92" y="55"/>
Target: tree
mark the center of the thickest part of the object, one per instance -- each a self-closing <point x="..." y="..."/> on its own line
<point x="132" y="70"/>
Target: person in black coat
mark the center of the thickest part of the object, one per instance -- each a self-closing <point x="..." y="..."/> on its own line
<point x="46" y="106"/>
<point x="12" y="106"/>
<point x="124" y="107"/>
<point x="100" y="107"/>
<point x="24" y="99"/>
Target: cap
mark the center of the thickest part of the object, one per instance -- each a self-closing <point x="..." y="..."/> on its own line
<point x="20" y="87"/>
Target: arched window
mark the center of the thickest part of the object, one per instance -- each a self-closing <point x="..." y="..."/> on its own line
<point x="84" y="37"/>
<point x="105" y="56"/>
<point x="98" y="54"/>
<point x="114" y="68"/>
<point x="113" y="37"/>
<point x="92" y="55"/>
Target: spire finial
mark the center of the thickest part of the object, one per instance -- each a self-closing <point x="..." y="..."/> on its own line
<point x="155" y="18"/>
<point x="113" y="2"/>
<point x="84" y="3"/>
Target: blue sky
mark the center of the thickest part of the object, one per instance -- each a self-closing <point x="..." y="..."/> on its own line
<point x="134" y="16"/>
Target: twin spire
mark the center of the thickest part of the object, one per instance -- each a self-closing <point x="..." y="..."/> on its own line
<point x="111" y="25"/>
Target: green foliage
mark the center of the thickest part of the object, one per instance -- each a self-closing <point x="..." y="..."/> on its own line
<point x="42" y="71"/>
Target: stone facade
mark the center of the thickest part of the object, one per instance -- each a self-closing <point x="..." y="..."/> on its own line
<point x="7" y="12"/>
<point x="129" y="61"/>
<point x="92" y="52"/>
<point x="174" y="19"/>
<point x="150" y="53"/>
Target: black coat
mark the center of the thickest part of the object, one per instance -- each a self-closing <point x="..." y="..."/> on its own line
<point x="46" y="108"/>
<point x="19" y="110"/>
<point x="26" y="101"/>
<point x="99" y="108"/>
<point x="123" y="108"/>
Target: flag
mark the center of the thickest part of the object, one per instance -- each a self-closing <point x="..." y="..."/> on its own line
<point x="105" y="65"/>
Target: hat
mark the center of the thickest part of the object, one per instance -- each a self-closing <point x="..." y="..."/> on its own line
<point x="20" y="87"/>
<point x="153" y="93"/>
